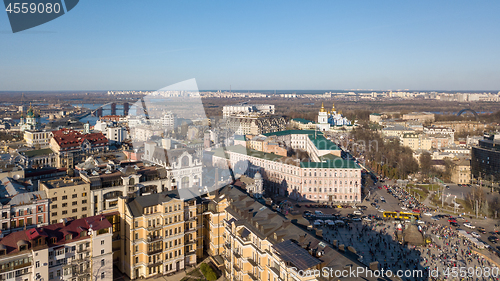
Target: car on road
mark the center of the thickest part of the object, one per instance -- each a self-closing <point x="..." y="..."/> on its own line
<point x="362" y="207"/>
<point x="475" y="234"/>
<point x="381" y="210"/>
<point x="359" y="213"/>
<point x="434" y="218"/>
<point x="404" y="208"/>
<point x="481" y="229"/>
<point x="460" y="218"/>
<point x="356" y="219"/>
<point x="420" y="222"/>
<point x="467" y="224"/>
<point x="367" y="219"/>
<point x="493" y="239"/>
<point x="428" y="214"/>
<point x="376" y="201"/>
<point x="373" y="204"/>
<point x="454" y="224"/>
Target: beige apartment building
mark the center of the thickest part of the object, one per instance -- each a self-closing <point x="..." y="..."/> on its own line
<point x="69" y="198"/>
<point x="260" y="244"/>
<point x="159" y="234"/>
<point x="461" y="172"/>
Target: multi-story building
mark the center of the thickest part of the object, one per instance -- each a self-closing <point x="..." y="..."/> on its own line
<point x="462" y="126"/>
<point x="460" y="173"/>
<point x="72" y="250"/>
<point x="416" y="141"/>
<point x="39" y="158"/>
<point x="255" y="125"/>
<point x="159" y="234"/>
<point x="73" y="147"/>
<point x="244" y="109"/>
<point x="111" y="130"/>
<point x="485" y="158"/>
<point x="182" y="163"/>
<point x="21" y="207"/>
<point x="38" y="138"/>
<point x="441" y="131"/>
<point x="420" y="116"/>
<point x="110" y="181"/>
<point x="302" y="124"/>
<point x="260" y="244"/>
<point x="323" y="177"/>
<point x="69" y="198"/>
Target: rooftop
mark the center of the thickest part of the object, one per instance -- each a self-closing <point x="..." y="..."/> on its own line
<point x="38" y="152"/>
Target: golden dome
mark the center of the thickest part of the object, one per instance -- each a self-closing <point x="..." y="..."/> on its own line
<point x="333" y="107"/>
<point x="322" y="108"/>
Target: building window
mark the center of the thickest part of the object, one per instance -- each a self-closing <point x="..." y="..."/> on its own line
<point x="64" y="197"/>
<point x="102" y="242"/>
<point x="74" y="210"/>
<point x="74" y="195"/>
<point x="54" y="206"/>
<point x="102" y="275"/>
<point x="54" y="214"/>
<point x="74" y="203"/>
<point x="102" y="252"/>
<point x="102" y="262"/>
<point x="64" y="205"/>
<point x="64" y="212"/>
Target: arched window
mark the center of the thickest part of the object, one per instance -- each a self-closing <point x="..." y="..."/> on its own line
<point x="131" y="181"/>
<point x="185" y="161"/>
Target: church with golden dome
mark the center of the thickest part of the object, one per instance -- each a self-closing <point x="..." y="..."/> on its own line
<point x="332" y="120"/>
<point x="31" y="122"/>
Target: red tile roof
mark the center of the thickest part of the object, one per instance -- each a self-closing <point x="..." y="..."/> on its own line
<point x="66" y="138"/>
<point x="57" y="231"/>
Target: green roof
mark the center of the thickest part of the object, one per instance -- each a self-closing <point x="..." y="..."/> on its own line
<point x="321" y="143"/>
<point x="292" y="132"/>
<point x="302" y="120"/>
<point x="337" y="163"/>
<point x="376" y="114"/>
<point x="243" y="150"/>
<point x="240" y="138"/>
<point x="38" y="152"/>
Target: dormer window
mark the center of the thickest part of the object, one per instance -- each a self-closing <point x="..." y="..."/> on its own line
<point x="53" y="240"/>
<point x="69" y="237"/>
<point x="83" y="234"/>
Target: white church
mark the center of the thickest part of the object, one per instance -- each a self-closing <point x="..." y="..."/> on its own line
<point x="332" y="120"/>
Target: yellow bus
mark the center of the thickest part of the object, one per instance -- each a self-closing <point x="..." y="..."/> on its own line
<point x="401" y="215"/>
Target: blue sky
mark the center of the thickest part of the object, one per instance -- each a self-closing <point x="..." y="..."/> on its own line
<point x="283" y="45"/>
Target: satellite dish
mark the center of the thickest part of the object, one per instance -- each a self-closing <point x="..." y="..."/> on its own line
<point x="16" y="177"/>
<point x="90" y="231"/>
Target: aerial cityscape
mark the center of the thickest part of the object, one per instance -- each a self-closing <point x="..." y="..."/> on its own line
<point x="280" y="141"/>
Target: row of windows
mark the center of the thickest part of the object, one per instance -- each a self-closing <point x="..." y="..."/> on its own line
<point x="330" y="190"/>
<point x="64" y="205"/>
<point x="65" y="197"/>
<point x="54" y="214"/>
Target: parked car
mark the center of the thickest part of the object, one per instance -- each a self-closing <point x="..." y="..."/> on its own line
<point x="356" y="219"/>
<point x="420" y="222"/>
<point x="481" y="229"/>
<point x="467" y="224"/>
<point x="475" y="234"/>
<point x="428" y="214"/>
<point x="454" y="224"/>
<point x="435" y="218"/>
<point x="367" y="219"/>
<point x="381" y="210"/>
<point x="359" y="213"/>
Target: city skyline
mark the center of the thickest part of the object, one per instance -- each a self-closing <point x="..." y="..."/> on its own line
<point x="280" y="45"/>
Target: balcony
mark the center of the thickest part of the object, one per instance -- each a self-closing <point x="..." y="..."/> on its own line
<point x="152" y="252"/>
<point x="252" y="262"/>
<point x="19" y="266"/>
<point x="154" y="238"/>
<point x="158" y="262"/>
<point x="188" y="242"/>
<point x="236" y="255"/>
<point x="227" y="246"/>
<point x="154" y="227"/>
<point x="253" y="277"/>
<point x="236" y="268"/>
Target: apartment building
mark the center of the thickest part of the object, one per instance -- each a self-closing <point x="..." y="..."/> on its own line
<point x="461" y="172"/>
<point x="112" y="180"/>
<point x="160" y="234"/>
<point x="323" y="177"/>
<point x="39" y="138"/>
<point x="69" y="198"/>
<point x="21" y="207"/>
<point x="247" y="109"/>
<point x="260" y="244"/>
<point x="38" y="158"/>
<point x="111" y="130"/>
<point x="253" y="125"/>
<point x="73" y="147"/>
<point x="72" y="250"/>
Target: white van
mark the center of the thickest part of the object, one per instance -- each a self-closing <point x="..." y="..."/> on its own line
<point x="359" y="213"/>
